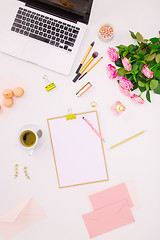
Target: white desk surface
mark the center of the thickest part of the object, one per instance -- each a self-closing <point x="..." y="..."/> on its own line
<point x="137" y="160"/>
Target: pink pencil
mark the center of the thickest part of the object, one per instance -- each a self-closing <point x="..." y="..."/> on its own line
<point x="96" y="132"/>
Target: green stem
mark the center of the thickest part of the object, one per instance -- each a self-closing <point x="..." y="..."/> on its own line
<point x="141" y="93"/>
<point x="134" y="77"/>
<point x="154" y="66"/>
<point x="133" y="60"/>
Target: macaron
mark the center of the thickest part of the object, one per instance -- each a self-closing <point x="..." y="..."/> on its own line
<point x="18" y="91"/>
<point x="8" y="102"/>
<point x="7" y="93"/>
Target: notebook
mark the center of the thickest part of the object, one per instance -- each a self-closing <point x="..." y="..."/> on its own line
<point x="78" y="152"/>
<point x="46" y="32"/>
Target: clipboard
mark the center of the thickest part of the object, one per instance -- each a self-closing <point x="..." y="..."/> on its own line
<point x="78" y="152"/>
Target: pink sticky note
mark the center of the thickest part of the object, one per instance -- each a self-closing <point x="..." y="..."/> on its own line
<point x="110" y="196"/>
<point x="19" y="218"/>
<point x="108" y="218"/>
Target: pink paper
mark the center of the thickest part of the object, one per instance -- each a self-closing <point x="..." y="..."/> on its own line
<point x="19" y="218"/>
<point x="108" y="218"/>
<point x="134" y="194"/>
<point x="110" y="196"/>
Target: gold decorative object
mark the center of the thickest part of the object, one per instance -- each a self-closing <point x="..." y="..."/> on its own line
<point x="26" y="173"/>
<point x="16" y="171"/>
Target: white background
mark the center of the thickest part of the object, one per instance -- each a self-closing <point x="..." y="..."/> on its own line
<point x="136" y="160"/>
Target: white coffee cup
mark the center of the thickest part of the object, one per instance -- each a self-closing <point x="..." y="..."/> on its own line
<point x="28" y="137"/>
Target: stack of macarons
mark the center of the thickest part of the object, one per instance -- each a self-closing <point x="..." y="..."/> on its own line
<point x="8" y="95"/>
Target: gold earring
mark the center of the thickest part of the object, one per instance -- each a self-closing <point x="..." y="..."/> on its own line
<point x="26" y="173"/>
<point x="16" y="171"/>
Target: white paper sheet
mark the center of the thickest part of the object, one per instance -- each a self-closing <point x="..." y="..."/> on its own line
<point x="78" y="151"/>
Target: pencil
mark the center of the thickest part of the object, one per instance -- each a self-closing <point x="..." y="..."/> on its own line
<point x="128" y="139"/>
<point x="85" y="56"/>
<point x="90" y="68"/>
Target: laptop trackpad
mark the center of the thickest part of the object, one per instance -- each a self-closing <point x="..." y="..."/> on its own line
<point x="35" y="52"/>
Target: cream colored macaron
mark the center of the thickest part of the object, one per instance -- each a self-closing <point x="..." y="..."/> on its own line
<point x="7" y="93"/>
<point x="18" y="91"/>
<point x="8" y="102"/>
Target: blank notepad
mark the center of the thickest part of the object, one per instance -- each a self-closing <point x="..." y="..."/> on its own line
<point x="78" y="152"/>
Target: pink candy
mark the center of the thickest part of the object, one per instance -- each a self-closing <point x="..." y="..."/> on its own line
<point x="106" y="31"/>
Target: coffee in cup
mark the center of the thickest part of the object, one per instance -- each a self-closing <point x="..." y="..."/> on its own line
<point x="28" y="138"/>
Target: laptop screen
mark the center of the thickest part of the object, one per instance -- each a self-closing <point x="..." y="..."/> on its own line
<point x="74" y="10"/>
<point x="79" y="7"/>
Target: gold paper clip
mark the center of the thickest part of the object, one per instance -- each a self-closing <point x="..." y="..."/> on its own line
<point x="49" y="85"/>
<point x="70" y="115"/>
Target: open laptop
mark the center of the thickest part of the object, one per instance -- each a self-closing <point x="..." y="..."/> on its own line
<point x="46" y="32"/>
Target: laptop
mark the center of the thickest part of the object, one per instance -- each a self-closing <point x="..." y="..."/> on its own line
<point x="46" y="32"/>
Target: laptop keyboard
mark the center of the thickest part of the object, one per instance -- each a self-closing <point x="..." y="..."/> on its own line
<point x="45" y="29"/>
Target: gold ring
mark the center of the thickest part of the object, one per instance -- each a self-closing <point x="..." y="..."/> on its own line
<point x="93" y="104"/>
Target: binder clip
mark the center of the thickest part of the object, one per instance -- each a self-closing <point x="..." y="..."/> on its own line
<point x="70" y="115"/>
<point x="49" y="85"/>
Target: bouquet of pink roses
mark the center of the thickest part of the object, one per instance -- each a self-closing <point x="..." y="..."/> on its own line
<point x="138" y="67"/>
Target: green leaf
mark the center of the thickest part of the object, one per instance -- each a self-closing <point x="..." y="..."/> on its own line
<point x="122" y="47"/>
<point x="133" y="35"/>
<point x="142" y="89"/>
<point x="147" y="86"/>
<point x="125" y="54"/>
<point x="141" y="84"/>
<point x="139" y="37"/>
<point x="155" y="46"/>
<point x="132" y="48"/>
<point x="134" y="87"/>
<point x="141" y="66"/>
<point x="121" y="71"/>
<point x="153" y="40"/>
<point x="158" y="58"/>
<point x="134" y="67"/>
<point x="150" y="57"/>
<point x="136" y="56"/>
<point x="118" y="63"/>
<point x="156" y="72"/>
<point x="157" y="90"/>
<point x="154" y="51"/>
<point x="140" y="53"/>
<point x="148" y="96"/>
<point x="153" y="84"/>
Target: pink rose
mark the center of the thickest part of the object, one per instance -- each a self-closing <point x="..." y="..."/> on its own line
<point x="111" y="71"/>
<point x="112" y="54"/>
<point x="126" y="92"/>
<point x="137" y="99"/>
<point x="147" y="72"/>
<point x="126" y="64"/>
<point x="125" y="83"/>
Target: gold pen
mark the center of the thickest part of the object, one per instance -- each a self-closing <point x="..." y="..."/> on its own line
<point x="128" y="139"/>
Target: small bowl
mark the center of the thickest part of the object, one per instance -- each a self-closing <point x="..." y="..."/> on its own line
<point x="106" y="31"/>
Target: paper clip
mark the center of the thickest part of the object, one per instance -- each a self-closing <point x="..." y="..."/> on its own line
<point x="70" y="115"/>
<point x="49" y="85"/>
